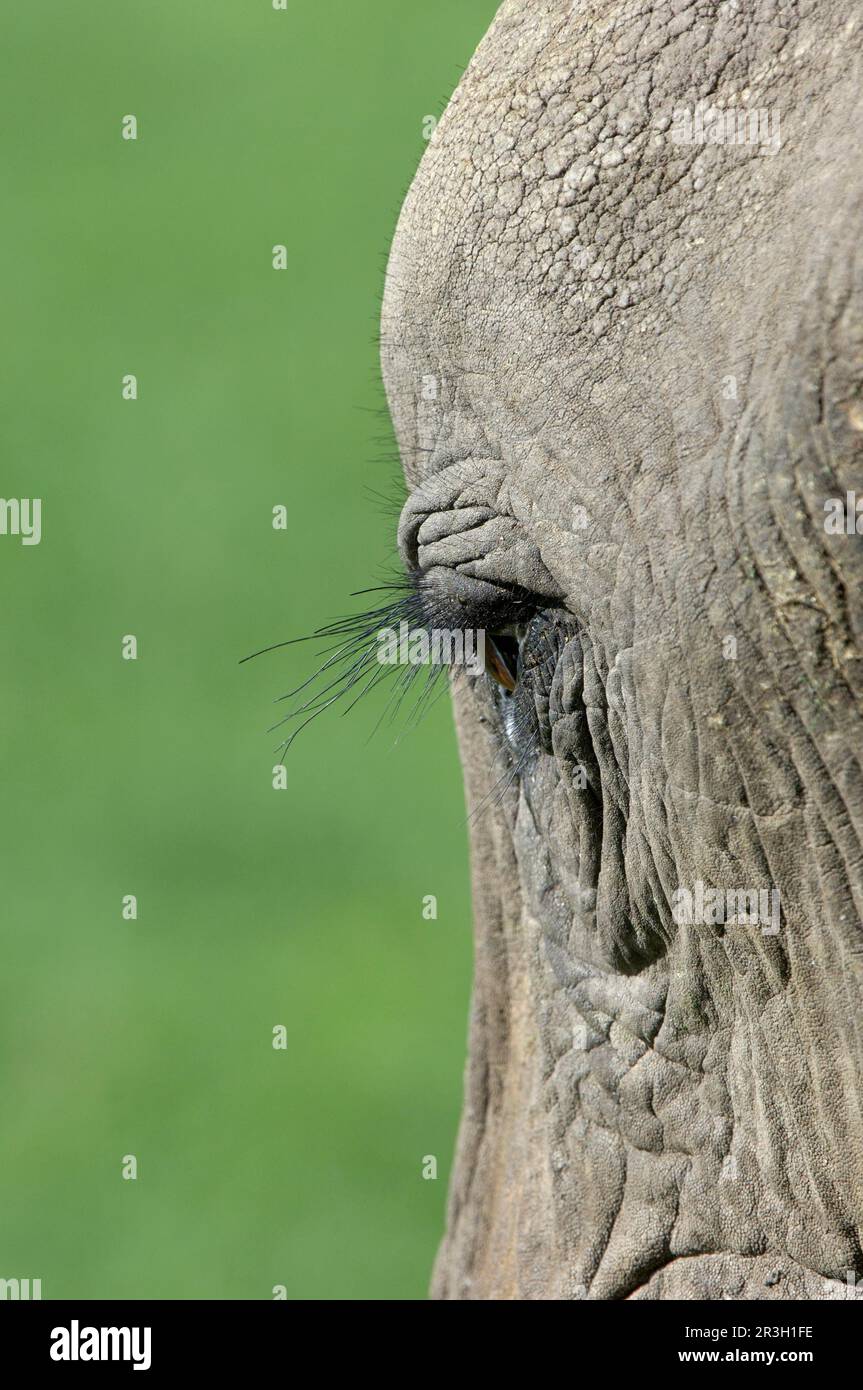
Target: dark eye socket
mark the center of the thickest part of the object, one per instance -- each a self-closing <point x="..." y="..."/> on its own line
<point x="523" y="661"/>
<point x="502" y="660"/>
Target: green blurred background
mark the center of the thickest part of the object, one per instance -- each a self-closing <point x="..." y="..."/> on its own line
<point x="256" y="1167"/>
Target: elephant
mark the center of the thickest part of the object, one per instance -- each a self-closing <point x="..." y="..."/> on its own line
<point x="622" y="349"/>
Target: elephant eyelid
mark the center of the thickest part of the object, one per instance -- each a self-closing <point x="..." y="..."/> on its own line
<point x="506" y="615"/>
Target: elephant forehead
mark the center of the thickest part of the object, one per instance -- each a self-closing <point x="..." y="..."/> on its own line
<point x="579" y="159"/>
<point x="562" y="220"/>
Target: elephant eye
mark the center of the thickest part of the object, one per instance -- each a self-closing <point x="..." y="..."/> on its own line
<point x="502" y="660"/>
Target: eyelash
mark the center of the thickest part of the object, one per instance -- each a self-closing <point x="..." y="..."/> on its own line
<point x="350" y="667"/>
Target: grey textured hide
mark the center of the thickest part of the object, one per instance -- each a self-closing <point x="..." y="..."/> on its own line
<point x="625" y="374"/>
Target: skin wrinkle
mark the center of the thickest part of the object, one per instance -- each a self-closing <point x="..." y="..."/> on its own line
<point x="581" y="290"/>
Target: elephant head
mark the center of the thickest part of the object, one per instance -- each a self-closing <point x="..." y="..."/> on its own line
<point x="622" y="344"/>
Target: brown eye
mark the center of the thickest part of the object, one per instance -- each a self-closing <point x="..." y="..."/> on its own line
<point x="502" y="660"/>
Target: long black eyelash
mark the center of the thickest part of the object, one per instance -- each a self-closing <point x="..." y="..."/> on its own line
<point x="350" y="666"/>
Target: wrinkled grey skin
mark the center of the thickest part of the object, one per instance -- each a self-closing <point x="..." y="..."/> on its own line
<point x="652" y="1110"/>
